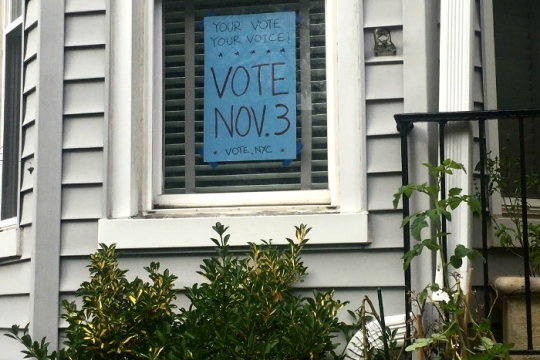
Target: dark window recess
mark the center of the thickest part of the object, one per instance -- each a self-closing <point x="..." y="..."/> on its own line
<point x="183" y="64"/>
<point x="517" y="56"/>
<point x="12" y="113"/>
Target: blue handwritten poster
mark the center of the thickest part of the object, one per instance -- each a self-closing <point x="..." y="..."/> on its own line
<point x="249" y="87"/>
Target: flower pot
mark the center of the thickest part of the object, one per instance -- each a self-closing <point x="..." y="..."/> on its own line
<point x="512" y="294"/>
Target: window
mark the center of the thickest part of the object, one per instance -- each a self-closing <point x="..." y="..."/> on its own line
<point x="158" y="186"/>
<point x="12" y="67"/>
<point x="517" y="56"/>
<point x="180" y="168"/>
<point x="10" y="115"/>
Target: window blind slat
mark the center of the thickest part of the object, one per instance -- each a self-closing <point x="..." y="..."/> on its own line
<point x="184" y="115"/>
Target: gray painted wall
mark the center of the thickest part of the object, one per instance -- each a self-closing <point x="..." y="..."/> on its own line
<point x="353" y="270"/>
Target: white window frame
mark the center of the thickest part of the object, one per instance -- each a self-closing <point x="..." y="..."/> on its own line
<point x="9" y="230"/>
<point x="131" y="216"/>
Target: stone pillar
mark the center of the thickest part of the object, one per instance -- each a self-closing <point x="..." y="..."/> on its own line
<point x="512" y="293"/>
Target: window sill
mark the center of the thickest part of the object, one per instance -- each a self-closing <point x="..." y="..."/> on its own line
<point x="196" y="231"/>
<point x="10" y="243"/>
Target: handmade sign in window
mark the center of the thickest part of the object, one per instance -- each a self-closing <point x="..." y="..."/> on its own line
<point x="250" y="87"/>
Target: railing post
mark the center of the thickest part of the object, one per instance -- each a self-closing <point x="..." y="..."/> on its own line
<point x="485" y="213"/>
<point x="404" y="128"/>
<point x="524" y="217"/>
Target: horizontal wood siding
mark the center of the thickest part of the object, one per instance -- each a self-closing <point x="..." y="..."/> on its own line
<point x="83" y="163"/>
<point x="15" y="278"/>
<point x="354" y="271"/>
<point x="384" y="98"/>
<point x="79" y="237"/>
<point x="77" y="6"/>
<point x="15" y="275"/>
<point x="11" y="349"/>
<point x="84" y="108"/>
<point x="83" y="132"/>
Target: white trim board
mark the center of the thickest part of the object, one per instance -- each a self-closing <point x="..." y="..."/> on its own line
<point x="10" y="243"/>
<point x="196" y="231"/>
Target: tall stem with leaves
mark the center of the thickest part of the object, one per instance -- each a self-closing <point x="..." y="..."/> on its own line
<point x="450" y="338"/>
<point x="440" y="211"/>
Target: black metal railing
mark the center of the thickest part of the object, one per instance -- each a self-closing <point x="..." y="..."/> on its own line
<point x="405" y="123"/>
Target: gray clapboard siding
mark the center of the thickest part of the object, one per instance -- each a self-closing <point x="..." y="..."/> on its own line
<point x="381" y="188"/>
<point x="84" y="97"/>
<point x="27" y="200"/>
<point x="31" y="13"/>
<point x="385" y="229"/>
<point x="84" y="63"/>
<point x="78" y="237"/>
<point x="82" y="167"/>
<point x="15" y="278"/>
<point x="384" y="98"/>
<point x="29" y="111"/>
<point x="478" y="92"/>
<point x="11" y="349"/>
<point x="28" y="146"/>
<point x="85" y="29"/>
<point x="477" y="50"/>
<point x="384" y="154"/>
<point x="27" y="181"/>
<point x="83" y="132"/>
<point x="383" y="13"/>
<point x="331" y="269"/>
<point x="29" y="107"/>
<point x="83" y="139"/>
<point x="27" y="241"/>
<point x="384" y="81"/>
<point x="13" y="310"/>
<point x="74" y="6"/>
<point x="362" y="268"/>
<point x="82" y="202"/>
<point x="30" y="76"/>
<point x="380" y="116"/>
<point x="31" y="43"/>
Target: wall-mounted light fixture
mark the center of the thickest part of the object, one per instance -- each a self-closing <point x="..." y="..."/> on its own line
<point x="383" y="42"/>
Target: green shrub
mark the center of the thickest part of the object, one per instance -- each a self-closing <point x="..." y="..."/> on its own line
<point x="118" y="319"/>
<point x="246" y="309"/>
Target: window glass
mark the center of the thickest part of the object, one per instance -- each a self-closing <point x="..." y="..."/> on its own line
<point x="11" y="114"/>
<point x="517" y="54"/>
<point x="13" y="10"/>
<point x="184" y="170"/>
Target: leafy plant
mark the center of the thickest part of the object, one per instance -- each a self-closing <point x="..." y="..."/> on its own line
<point x="500" y="175"/>
<point x="459" y="332"/>
<point x="247" y="308"/>
<point x="118" y="319"/>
